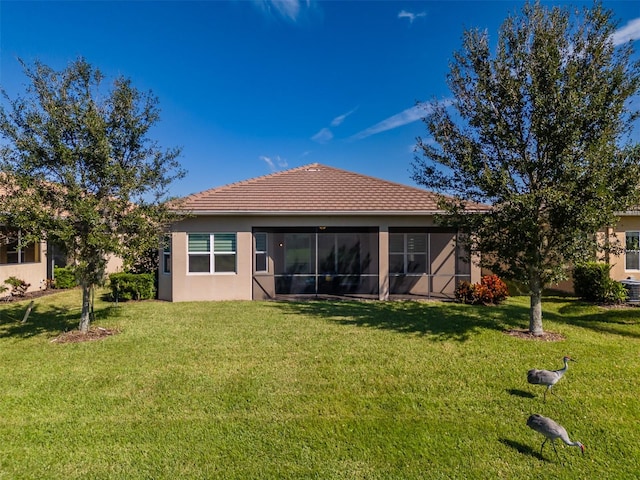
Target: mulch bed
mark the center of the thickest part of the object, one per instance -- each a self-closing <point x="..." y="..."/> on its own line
<point x="76" y="336"/>
<point x="527" y="335"/>
<point x="29" y="295"/>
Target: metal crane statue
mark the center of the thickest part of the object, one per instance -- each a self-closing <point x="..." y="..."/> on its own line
<point x="551" y="430"/>
<point x="548" y="377"/>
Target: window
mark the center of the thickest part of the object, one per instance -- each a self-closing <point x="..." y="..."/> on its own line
<point x="11" y="250"/>
<point x="224" y="252"/>
<point x="166" y="254"/>
<point x="407" y="253"/>
<point x="632" y="251"/>
<point x="199" y="253"/>
<point x="261" y="252"/>
<point x="212" y="253"/>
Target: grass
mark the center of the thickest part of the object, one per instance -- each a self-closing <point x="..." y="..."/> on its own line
<point x="331" y="390"/>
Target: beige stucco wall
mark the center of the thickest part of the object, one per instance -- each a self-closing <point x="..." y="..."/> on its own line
<point x="181" y="285"/>
<point x="165" y="283"/>
<point x="617" y="262"/>
<point x="114" y="264"/>
<point x="33" y="273"/>
<point x="217" y="286"/>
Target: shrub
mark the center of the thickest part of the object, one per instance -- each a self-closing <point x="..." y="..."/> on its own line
<point x="490" y="291"/>
<point x="615" y="293"/>
<point x="496" y="290"/>
<point x="18" y="287"/>
<point x="592" y="282"/>
<point x="464" y="292"/>
<point x="132" y="286"/>
<point x="64" y="277"/>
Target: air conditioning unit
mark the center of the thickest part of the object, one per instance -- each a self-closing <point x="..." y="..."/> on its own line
<point x="633" y="289"/>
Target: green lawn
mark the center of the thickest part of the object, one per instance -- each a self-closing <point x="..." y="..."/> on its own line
<point x="326" y="390"/>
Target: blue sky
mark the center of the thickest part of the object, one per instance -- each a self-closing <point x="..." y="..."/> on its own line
<point x="247" y="88"/>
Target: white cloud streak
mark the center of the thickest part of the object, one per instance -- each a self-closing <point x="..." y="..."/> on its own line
<point x="323" y="136"/>
<point x="409" y="115"/>
<point x="274" y="162"/>
<point x="326" y="135"/>
<point x="630" y="32"/>
<point x="287" y="9"/>
<point x="339" y="119"/>
<point x="411" y="16"/>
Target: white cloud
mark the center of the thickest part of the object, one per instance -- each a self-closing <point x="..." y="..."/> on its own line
<point x="411" y="16"/>
<point x="269" y="162"/>
<point x="630" y="32"/>
<point x="274" y="163"/>
<point x="340" y="118"/>
<point x="323" y="136"/>
<point x="409" y="115"/>
<point x="288" y="9"/>
<point x="326" y="135"/>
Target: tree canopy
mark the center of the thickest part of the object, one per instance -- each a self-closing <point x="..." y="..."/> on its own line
<point x="539" y="128"/>
<point x="78" y="166"/>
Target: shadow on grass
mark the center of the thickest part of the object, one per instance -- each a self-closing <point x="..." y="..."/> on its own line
<point x="520" y="393"/>
<point x="615" y="320"/>
<point x="445" y="321"/>
<point x="521" y="448"/>
<point x="441" y="321"/>
<point x="43" y="319"/>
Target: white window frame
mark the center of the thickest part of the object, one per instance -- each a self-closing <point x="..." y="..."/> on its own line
<point x="636" y="250"/>
<point x="264" y="252"/>
<point x="213" y="254"/>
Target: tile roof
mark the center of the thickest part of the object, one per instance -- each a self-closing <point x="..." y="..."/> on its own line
<point x="313" y="188"/>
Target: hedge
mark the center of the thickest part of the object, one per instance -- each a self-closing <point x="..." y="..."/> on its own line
<point x="592" y="282"/>
<point x="64" y="277"/>
<point x="132" y="286"/>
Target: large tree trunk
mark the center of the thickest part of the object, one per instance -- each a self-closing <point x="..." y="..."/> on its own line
<point x="535" y="312"/>
<point x="85" y="317"/>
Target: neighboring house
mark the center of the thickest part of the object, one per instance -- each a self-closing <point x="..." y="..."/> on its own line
<point x="311" y="231"/>
<point x="35" y="262"/>
<point x="627" y="231"/>
<point x="27" y="262"/>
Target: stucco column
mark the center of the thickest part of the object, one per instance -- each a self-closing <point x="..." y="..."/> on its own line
<point x="383" y="262"/>
<point x="179" y="265"/>
<point x="244" y="259"/>
<point x="476" y="271"/>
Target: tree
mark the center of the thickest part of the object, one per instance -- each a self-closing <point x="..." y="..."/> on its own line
<point x="78" y="165"/>
<point x="540" y="132"/>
